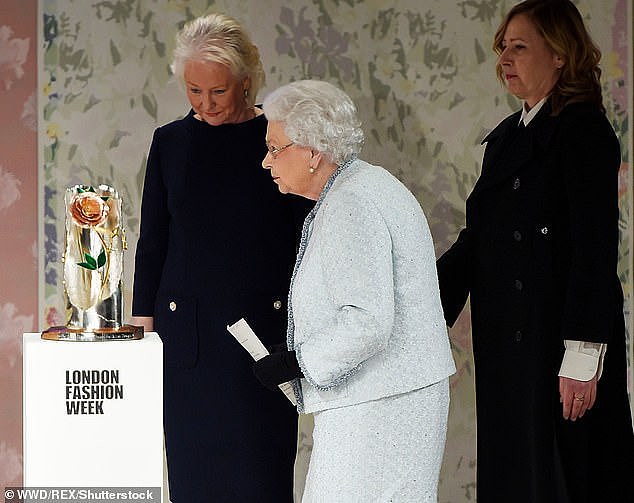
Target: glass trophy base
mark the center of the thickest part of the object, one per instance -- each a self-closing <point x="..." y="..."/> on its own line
<point x="123" y="333"/>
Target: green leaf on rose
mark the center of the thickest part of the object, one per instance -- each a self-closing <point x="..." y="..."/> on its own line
<point x="92" y="264"/>
<point x="90" y="260"/>
<point x="101" y="259"/>
<point x="86" y="265"/>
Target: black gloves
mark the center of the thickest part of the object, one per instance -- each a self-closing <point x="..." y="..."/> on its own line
<point x="277" y="368"/>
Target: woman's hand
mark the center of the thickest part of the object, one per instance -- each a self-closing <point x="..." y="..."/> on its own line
<point x="147" y="322"/>
<point x="277" y="368"/>
<point x="577" y="397"/>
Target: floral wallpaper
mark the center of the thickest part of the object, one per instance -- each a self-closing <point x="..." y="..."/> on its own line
<point x="18" y="219"/>
<point x="421" y="72"/>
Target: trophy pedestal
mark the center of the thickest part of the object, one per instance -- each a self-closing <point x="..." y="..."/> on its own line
<point x="123" y="333"/>
<point x="93" y="413"/>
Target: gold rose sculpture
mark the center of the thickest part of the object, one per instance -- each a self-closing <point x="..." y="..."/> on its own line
<point x="94" y="242"/>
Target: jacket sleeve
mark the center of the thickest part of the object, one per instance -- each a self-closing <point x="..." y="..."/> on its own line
<point x="453" y="277"/>
<point x="152" y="244"/>
<point x="591" y="158"/>
<point x="355" y="251"/>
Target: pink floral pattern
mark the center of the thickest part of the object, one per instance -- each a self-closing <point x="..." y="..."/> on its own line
<point x="12" y="326"/>
<point x="29" y="113"/>
<point x="18" y="219"/>
<point x="13" y="53"/>
<point x="10" y="465"/>
<point x="53" y="317"/>
<point x="9" y="188"/>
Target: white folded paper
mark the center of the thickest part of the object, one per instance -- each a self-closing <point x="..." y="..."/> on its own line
<point x="245" y="335"/>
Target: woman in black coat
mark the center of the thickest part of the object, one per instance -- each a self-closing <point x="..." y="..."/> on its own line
<point x="217" y="243"/>
<point x="538" y="258"/>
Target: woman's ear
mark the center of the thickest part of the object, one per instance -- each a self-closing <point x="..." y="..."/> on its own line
<point x="315" y="160"/>
<point x="246" y="85"/>
<point x="559" y="62"/>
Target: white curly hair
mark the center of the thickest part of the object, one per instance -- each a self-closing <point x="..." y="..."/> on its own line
<point x="318" y="115"/>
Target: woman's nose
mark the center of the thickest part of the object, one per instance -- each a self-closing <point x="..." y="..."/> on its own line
<point x="265" y="163"/>
<point x="503" y="57"/>
<point x="207" y="101"/>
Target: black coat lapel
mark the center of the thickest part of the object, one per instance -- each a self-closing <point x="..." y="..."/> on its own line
<point x="509" y="147"/>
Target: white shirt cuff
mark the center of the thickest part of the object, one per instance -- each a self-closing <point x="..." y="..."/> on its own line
<point x="582" y="360"/>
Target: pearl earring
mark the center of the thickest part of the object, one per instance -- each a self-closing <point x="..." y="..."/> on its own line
<point x="311" y="170"/>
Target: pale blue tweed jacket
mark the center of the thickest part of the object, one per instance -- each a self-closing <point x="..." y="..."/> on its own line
<point x="364" y="308"/>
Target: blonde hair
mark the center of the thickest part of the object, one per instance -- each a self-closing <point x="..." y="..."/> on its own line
<point x="562" y="27"/>
<point x="220" y="39"/>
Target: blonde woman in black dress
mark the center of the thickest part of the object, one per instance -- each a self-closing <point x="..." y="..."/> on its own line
<point x="217" y="243"/>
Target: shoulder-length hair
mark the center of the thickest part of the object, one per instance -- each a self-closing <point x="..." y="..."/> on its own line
<point x="563" y="29"/>
<point x="219" y="38"/>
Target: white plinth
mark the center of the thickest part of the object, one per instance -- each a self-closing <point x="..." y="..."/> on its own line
<point x="93" y="413"/>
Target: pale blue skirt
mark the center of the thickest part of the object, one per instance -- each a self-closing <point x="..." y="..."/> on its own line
<point x="387" y="450"/>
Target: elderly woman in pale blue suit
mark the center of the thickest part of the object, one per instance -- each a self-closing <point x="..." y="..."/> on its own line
<point x="368" y="352"/>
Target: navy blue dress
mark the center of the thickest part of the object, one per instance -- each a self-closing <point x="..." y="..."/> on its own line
<point x="217" y="243"/>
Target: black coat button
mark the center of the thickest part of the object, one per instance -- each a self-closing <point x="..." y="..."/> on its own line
<point x="516" y="183"/>
<point x="517" y="236"/>
<point x="518" y="284"/>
